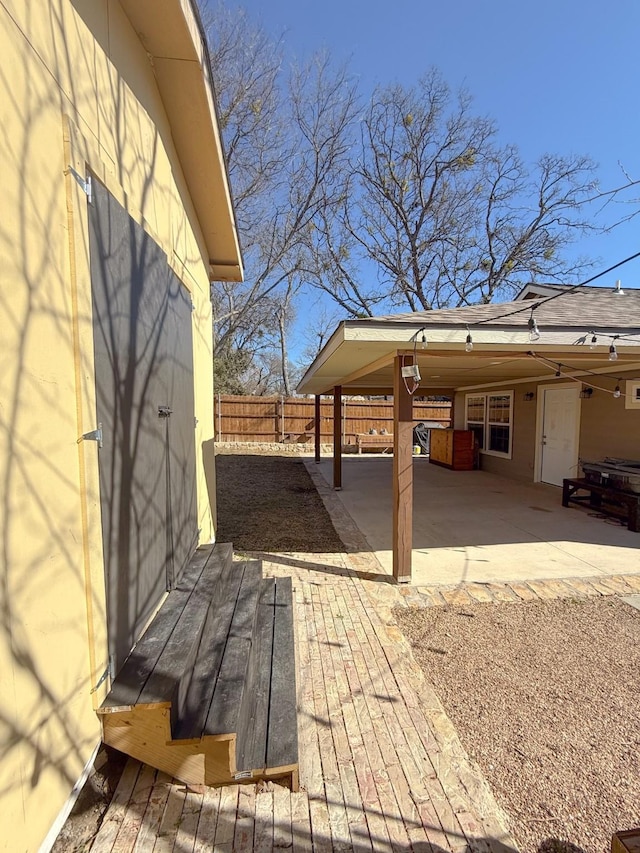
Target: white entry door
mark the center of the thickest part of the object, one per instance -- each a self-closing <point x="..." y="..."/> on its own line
<point x="560" y="409"/>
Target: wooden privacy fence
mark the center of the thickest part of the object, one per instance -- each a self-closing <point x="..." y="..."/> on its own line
<point x="291" y="419"/>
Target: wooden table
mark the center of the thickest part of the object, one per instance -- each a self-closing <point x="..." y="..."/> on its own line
<point x="605" y="499"/>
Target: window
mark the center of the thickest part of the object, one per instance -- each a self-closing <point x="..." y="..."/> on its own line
<point x="632" y="394"/>
<point x="476" y="418"/>
<point x="490" y="418"/>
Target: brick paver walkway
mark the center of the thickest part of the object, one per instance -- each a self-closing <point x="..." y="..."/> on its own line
<point x="381" y="766"/>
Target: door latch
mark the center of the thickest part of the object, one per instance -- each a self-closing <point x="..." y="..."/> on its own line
<point x="164" y="411"/>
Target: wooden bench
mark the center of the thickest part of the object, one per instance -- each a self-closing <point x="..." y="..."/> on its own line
<point x="605" y="499"/>
<point x="208" y="694"/>
<point x="366" y="441"/>
<point x="626" y="842"/>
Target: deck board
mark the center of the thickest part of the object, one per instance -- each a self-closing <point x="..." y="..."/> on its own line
<point x="282" y="736"/>
<point x="207" y="667"/>
<point x="227" y="694"/>
<point x="252" y="725"/>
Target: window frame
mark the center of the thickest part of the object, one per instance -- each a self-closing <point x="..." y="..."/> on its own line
<point x="487" y="423"/>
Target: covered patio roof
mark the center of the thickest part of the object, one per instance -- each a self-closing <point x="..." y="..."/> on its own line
<point x="549" y="331"/>
<point x="360" y="354"/>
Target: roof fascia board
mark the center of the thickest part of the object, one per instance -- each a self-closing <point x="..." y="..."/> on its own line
<point x="172" y="35"/>
<point x="328" y="349"/>
<point x="374" y="331"/>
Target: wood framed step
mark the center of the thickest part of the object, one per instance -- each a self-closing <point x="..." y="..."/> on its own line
<point x="208" y="694"/>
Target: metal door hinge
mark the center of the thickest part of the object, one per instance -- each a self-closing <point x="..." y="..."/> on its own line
<point x="85" y="183"/>
<point x="94" y="435"/>
<point x="102" y="678"/>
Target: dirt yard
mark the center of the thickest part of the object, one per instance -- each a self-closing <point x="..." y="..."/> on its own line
<point x="544" y="696"/>
<point x="269" y="503"/>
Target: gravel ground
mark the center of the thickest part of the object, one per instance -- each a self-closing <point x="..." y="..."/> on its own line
<point x="545" y="696"/>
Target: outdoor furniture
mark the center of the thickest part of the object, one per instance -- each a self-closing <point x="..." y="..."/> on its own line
<point x="365" y="441"/>
<point x="453" y="448"/>
<point x="208" y="694"/>
<point x="604" y="499"/>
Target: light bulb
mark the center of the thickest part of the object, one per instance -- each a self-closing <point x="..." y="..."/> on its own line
<point x="613" y="353"/>
<point x="534" y="332"/>
<point x="594" y="341"/>
<point x="617" y="392"/>
<point x="423" y="341"/>
<point x="469" y="344"/>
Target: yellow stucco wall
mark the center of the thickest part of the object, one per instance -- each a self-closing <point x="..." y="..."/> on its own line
<point x="76" y="89"/>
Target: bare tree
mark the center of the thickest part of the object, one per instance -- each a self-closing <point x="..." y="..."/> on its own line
<point x="444" y="215"/>
<point x="286" y="138"/>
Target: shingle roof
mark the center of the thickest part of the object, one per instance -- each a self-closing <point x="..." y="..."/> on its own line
<point x="585" y="308"/>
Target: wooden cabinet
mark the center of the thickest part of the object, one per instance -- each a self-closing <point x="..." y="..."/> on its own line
<point x="453" y="448"/>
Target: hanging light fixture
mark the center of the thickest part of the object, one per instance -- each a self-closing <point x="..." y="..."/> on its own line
<point x="534" y="331"/>
<point x="469" y="342"/>
<point x="423" y="340"/>
<point x="594" y="341"/>
<point x="613" y="352"/>
<point x="617" y="393"/>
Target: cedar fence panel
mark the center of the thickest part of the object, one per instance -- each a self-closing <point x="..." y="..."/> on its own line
<point x="291" y="419"/>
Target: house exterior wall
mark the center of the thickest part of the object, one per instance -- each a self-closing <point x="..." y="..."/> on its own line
<point x="607" y="428"/>
<point x="76" y="89"/>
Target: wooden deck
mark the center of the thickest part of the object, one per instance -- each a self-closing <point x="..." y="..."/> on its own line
<point x="380" y="765"/>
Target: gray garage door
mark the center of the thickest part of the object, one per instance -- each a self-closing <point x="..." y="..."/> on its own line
<point x="144" y="380"/>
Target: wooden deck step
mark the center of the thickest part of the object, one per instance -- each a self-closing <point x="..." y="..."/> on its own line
<point x="216" y="687"/>
<point x="140" y="679"/>
<point x="267" y="729"/>
<point x="208" y="694"/>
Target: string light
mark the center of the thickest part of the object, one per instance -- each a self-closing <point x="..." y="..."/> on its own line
<point x="613" y="352"/>
<point x="558" y="364"/>
<point x="469" y="342"/>
<point x="423" y="340"/>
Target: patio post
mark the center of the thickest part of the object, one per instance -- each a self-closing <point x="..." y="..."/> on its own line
<point x="337" y="437"/>
<point x="402" y="472"/>
<point x="316" y="427"/>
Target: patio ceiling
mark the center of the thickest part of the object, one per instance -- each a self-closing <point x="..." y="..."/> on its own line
<point x="360" y="355"/>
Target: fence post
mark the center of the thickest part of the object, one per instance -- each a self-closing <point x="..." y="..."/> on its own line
<point x="281" y="418"/>
<point x="344" y="422"/>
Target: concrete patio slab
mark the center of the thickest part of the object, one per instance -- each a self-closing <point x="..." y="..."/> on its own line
<point x="473" y="526"/>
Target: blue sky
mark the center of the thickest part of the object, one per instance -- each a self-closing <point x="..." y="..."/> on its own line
<point x="558" y="76"/>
